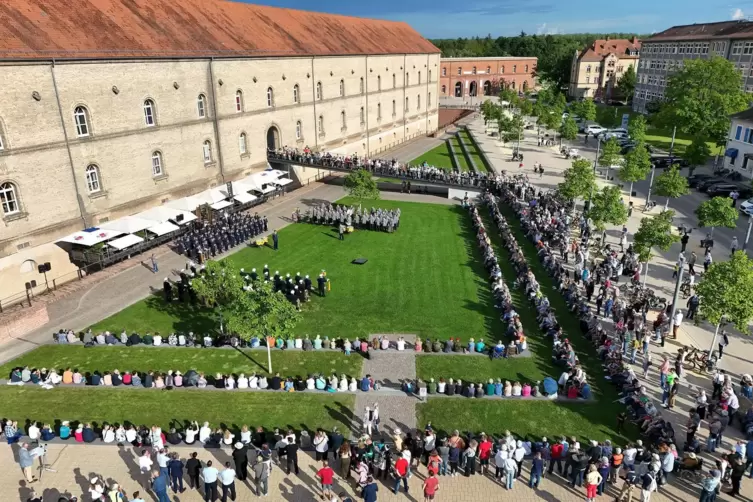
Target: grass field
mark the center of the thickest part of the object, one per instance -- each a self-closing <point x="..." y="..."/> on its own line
<point x="209" y="361"/>
<point x="459" y="157"/>
<point x="473" y="151"/>
<point x="536" y="419"/>
<point x="426" y="279"/>
<point x="438" y="157"/>
<point x="298" y="411"/>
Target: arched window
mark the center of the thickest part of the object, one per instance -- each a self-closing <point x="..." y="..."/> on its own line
<point x="407" y="79"/>
<point x="150" y="117"/>
<point x="343" y="121"/>
<point x="270" y="97"/>
<point x="394" y="81"/>
<point x="418" y="102"/>
<point x="157" y="168"/>
<point x="92" y="179"/>
<point x="526" y="68"/>
<point x="362" y="116"/>
<point x="342" y="88"/>
<point x="394" y="108"/>
<point x="242" y="147"/>
<point x="419" y="78"/>
<point x="207" y="151"/>
<point x="444" y="89"/>
<point x="488" y="69"/>
<point x="9" y="198"/>
<point x="81" y="118"/>
<point x="473" y="70"/>
<point x="321" y="124"/>
<point x="406" y="105"/>
<point x="361" y="86"/>
<point x="379" y="111"/>
<point x="428" y="100"/>
<point x="296" y="94"/>
<point x="318" y="90"/>
<point x="515" y="68"/>
<point x="201" y="106"/>
<point x="379" y="82"/>
<point x="238" y="101"/>
<point x="298" y="130"/>
<point x="502" y="69"/>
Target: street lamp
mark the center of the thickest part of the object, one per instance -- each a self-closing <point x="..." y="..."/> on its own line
<point x="653" y="168"/>
<point x="676" y="296"/>
<point x="716" y="332"/>
<point x="596" y="162"/>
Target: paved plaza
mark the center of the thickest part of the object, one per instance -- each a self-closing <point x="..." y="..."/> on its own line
<point x="76" y="463"/>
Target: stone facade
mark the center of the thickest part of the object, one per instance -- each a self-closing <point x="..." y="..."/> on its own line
<point x="168" y="110"/>
<point x="461" y="77"/>
<point x="595" y="70"/>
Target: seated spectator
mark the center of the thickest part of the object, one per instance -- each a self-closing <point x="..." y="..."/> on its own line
<point x="310" y="383"/>
<point x="178" y="379"/>
<point x="263" y="384"/>
<point x="353" y="385"/>
<point x="61" y="337"/>
<point x="449" y="346"/>
<point x="159" y="382"/>
<point x="572" y="391"/>
<point x="242" y="381"/>
<point x="135" y="379"/>
<point x="169" y="380"/>
<point x="117" y="380"/>
<point x="204" y="433"/>
<point x="343" y="384"/>
<point x="489" y="387"/>
<point x="47" y="434"/>
<point x="110" y="339"/>
<point x="78" y="435"/>
<point x="12" y="434"/>
<point x="307" y="345"/>
<point x="201" y="383"/>
<point x="480" y="346"/>
<point x="317" y="342"/>
<point x="441" y="386"/>
<point x="526" y="390"/>
<point x="229" y="382"/>
<point x="191" y="431"/>
<point x="508" y="389"/>
<point x="157" y="339"/>
<point x="418" y="347"/>
<point x="365" y="346"/>
<point x="253" y="381"/>
<point x="173" y="437"/>
<point x="471" y="346"/>
<point x="35" y="377"/>
<point x="498" y="389"/>
<point x="67" y="376"/>
<point x="320" y="383"/>
<point x="65" y="429"/>
<point x="384" y="343"/>
<point x="332" y="383"/>
<point x="255" y="342"/>
<point x="124" y="337"/>
<point x="300" y="384"/>
<point x="108" y="434"/>
<point x="451" y="387"/>
<point x="585" y="391"/>
<point x="290" y="385"/>
<point x="52" y="379"/>
<point x="132" y="435"/>
<point x="479" y="390"/>
<point x="120" y="435"/>
<point x="298" y="343"/>
<point x="95" y="379"/>
<point x="181" y="340"/>
<point x="149" y="380"/>
<point x="172" y="340"/>
<point x="245" y="434"/>
<point x="148" y="339"/>
<point x="78" y="378"/>
<point x="347" y="347"/>
<point x="88" y="434"/>
<point x="72" y="338"/>
<point x="26" y="375"/>
<point x="401" y="343"/>
<point x="15" y="377"/>
<point x="100" y="338"/>
<point x="34" y="432"/>
<point x="107" y="379"/>
<point x="134" y="339"/>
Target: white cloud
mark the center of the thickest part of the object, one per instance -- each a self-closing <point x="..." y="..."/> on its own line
<point x="738" y="14"/>
<point x="544" y="29"/>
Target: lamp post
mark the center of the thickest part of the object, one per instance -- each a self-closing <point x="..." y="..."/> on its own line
<point x="676" y="296"/>
<point x="747" y="235"/>
<point x="596" y="161"/>
<point x="653" y="169"/>
<point x="716" y="332"/>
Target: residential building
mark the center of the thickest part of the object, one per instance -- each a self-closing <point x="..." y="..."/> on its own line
<point x="666" y="52"/>
<point x="110" y="107"/>
<point x="597" y="68"/>
<point x="462" y="77"/>
<point x="738" y="155"/>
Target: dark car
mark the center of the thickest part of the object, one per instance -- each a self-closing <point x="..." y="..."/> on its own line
<point x="729" y="175"/>
<point x="697" y="179"/>
<point x="714" y="180"/>
<point x="724" y="189"/>
<point x="665" y="162"/>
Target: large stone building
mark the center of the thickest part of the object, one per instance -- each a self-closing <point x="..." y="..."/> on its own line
<point x="109" y="107"/>
<point x="462" y="77"/>
<point x="597" y="68"/>
<point x="667" y="51"/>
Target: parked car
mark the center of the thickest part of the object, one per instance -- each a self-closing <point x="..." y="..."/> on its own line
<point x="582" y="126"/>
<point x="724" y="189"/>
<point x="747" y="206"/>
<point x="595" y="130"/>
<point x="697" y="179"/>
<point x="663" y="162"/>
<point x="630" y="146"/>
<point x="714" y="180"/>
<point x="729" y="175"/>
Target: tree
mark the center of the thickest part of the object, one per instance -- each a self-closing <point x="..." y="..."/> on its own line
<point x="626" y="84"/>
<point x="219" y="285"/>
<point x="509" y="95"/>
<point x="671" y="184"/>
<point x="587" y="110"/>
<point x="569" y="129"/>
<point x="637" y="128"/>
<point x="361" y="185"/>
<point x="725" y="291"/>
<point x="513" y="128"/>
<point x="636" y="166"/>
<point x="608" y="207"/>
<point x="526" y="108"/>
<point x="654" y="232"/>
<point x="716" y="212"/>
<point x="610" y="154"/>
<point x="696" y="153"/>
<point x="580" y="180"/>
<point x="700" y="97"/>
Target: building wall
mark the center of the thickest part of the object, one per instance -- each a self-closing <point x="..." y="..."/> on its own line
<point x="589" y="79"/>
<point x="741" y="139"/>
<point x="488" y="74"/>
<point x="49" y="173"/>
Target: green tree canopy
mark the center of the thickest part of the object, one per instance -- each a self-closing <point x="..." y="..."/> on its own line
<point x="654" y="232"/>
<point x="636" y="167"/>
<point x="626" y="83"/>
<point x="526" y="107"/>
<point x="717" y="212"/>
<point x="219" y="285"/>
<point x="587" y="110"/>
<point x="608" y="207"/>
<point x="696" y="153"/>
<point x="700" y="97"/>
<point x="725" y="291"/>
<point x="610" y="153"/>
<point x="569" y="129"/>
<point x="361" y="185"/>
<point x="513" y="128"/>
<point x="580" y="180"/>
<point x="637" y="128"/>
<point x="671" y="184"/>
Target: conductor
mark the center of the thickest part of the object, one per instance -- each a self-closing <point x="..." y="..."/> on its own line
<point x="322" y="283"/>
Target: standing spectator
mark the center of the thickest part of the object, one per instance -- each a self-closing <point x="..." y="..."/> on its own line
<point x="631" y="480"/>
<point x="537" y="469"/>
<point x="210" y="475"/>
<point x="26" y="461"/>
<point x="723" y="342"/>
<point x="175" y="469"/>
<point x="326" y="475"/>
<point x="240" y="457"/>
<point x="159" y="486"/>
<point x="593" y="480"/>
<point x="511" y="468"/>
<point x="401" y="473"/>
<point x="321" y="445"/>
<point x="193" y="468"/>
<point x="369" y="491"/>
<point x="648" y="485"/>
<point x="261" y="476"/>
<point x="737" y="466"/>
<point x="677" y="321"/>
<point x="431" y="485"/>
<point x="275" y="239"/>
<point x="291" y="452"/>
<point x="145" y="466"/>
<point x="710" y="485"/>
<point x="227" y="478"/>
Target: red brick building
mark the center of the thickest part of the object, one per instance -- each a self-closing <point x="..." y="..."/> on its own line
<point x="462" y="77"/>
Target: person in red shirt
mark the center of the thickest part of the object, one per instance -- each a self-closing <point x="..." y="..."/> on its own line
<point x="431" y="485"/>
<point x="326" y="475"/>
<point x="484" y="453"/>
<point x="558" y="450"/>
<point x="401" y="473"/>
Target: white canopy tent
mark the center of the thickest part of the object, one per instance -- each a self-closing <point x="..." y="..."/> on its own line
<point x="221" y="204"/>
<point x="244" y="197"/>
<point x="211" y="196"/>
<point x="125" y="242"/>
<point x="163" y="228"/>
<point x="161" y="214"/>
<point x="185" y="204"/>
<point x="128" y="224"/>
<point x="238" y="188"/>
<point x="90" y="236"/>
<point x="282" y="181"/>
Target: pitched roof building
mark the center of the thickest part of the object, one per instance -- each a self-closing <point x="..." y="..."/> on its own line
<point x="596" y="69"/>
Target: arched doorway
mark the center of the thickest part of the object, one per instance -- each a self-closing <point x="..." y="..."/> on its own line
<point x="487" y="88"/>
<point x="525" y="86"/>
<point x="444" y="90"/>
<point x="273" y="138"/>
<point x="512" y="85"/>
<point x="459" y="90"/>
<point x="472" y="89"/>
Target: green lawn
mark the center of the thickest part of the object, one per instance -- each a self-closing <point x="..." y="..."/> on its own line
<point x="269" y="409"/>
<point x="426" y="279"/>
<point x="462" y="162"/>
<point x="473" y="151"/>
<point x="209" y="361"/>
<point x="587" y="420"/>
<point x="438" y="157"/>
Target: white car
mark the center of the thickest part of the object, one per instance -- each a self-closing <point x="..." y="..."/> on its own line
<point x="595" y="130"/>
<point x="747" y="206"/>
<point x="614" y="133"/>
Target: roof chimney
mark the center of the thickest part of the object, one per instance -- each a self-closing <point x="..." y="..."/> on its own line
<point x="634" y="40"/>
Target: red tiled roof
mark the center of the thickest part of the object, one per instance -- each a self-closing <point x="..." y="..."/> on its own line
<point x="602" y="48"/>
<point x="45" y="29"/>
<point x="722" y="29"/>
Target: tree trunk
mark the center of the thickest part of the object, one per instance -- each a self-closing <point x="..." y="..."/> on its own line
<point x="645" y="275"/>
<point x="666" y="204"/>
<point x="712" y="233"/>
<point x="630" y="195"/>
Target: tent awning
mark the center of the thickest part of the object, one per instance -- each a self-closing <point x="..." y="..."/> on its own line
<point x="282" y="181"/>
<point x="184" y="204"/>
<point x="163" y="228"/>
<point x="238" y="188"/>
<point x="266" y="189"/>
<point x="160" y="214"/>
<point x="731" y="153"/>
<point x="128" y="224"/>
<point x="221" y="204"/>
<point x="211" y="196"/>
<point x="125" y="242"/>
<point x="244" y="197"/>
<point x="90" y="236"/>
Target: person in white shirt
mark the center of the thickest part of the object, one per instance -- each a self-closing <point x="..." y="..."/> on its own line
<point x="499" y="460"/>
<point x="34" y="432"/>
<point x="130" y="434"/>
<point x="343" y="386"/>
<point x="347" y="346"/>
<point x="629" y="456"/>
<point x="96" y="489"/>
<point x="310" y="384"/>
<point x="208" y="343"/>
<point x="321" y="444"/>
<point x="155" y="435"/>
<point x="263" y="383"/>
<point x="145" y="466"/>
<point x="517" y="389"/>
<point x="230" y="382"/>
<point x="298" y="342"/>
<point x="182" y="340"/>
<point x="100" y="338"/>
<point x="210" y="475"/>
<point x="120" y="435"/>
<point x="253" y="382"/>
<point x="157" y="339"/>
<point x="400" y="343"/>
<point x="676" y="322"/>
<point x="245" y="434"/>
<point x="385" y="343"/>
<point x="190" y="433"/>
<point x="228" y="438"/>
<point x="242" y="381"/>
<point x="137" y="497"/>
<point x="205" y="432"/>
<point x="353" y="385"/>
<point x="227" y="480"/>
<point x="441" y="386"/>
<point x="108" y="434"/>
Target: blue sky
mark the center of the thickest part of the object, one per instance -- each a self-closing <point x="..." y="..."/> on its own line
<point x="463" y="18"/>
